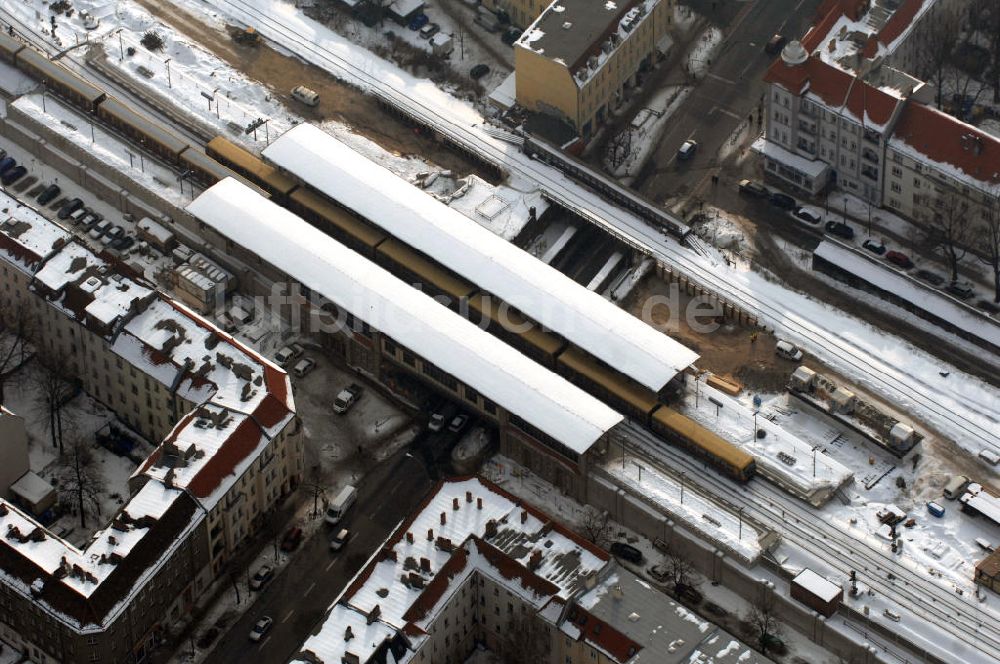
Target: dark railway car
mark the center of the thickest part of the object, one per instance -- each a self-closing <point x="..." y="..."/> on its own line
<point x="59" y="80"/>
<point x="152" y="136"/>
<point x="9" y="47"/>
<point x="512" y="326"/>
<point x="414" y="268"/>
<point x="206" y="171"/>
<point x="251" y="167"/>
<point x="336" y="222"/>
<point x="615" y="389"/>
<point x="685" y="432"/>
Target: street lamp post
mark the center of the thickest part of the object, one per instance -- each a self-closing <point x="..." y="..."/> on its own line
<point x="740" y="537"/>
<point x="170" y="83"/>
<point x="121" y="46"/>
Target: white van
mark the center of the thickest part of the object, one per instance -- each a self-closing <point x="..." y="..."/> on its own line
<point x="953" y="489"/>
<point x="335" y="512"/>
<point x="787" y="351"/>
<point x="305" y="95"/>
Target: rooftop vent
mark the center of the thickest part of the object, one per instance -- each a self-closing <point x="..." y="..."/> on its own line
<point x="794" y="53"/>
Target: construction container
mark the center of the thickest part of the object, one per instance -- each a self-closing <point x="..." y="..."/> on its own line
<point x="935" y="509"/>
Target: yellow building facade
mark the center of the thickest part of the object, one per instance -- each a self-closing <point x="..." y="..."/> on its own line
<point x="577" y="60"/>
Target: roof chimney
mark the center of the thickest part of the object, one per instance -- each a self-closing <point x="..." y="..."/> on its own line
<point x="524" y="516"/>
<point x="374" y="614"/>
<point x="430" y="534"/>
<point x="425" y="565"/>
<point x="468" y="496"/>
<point x="444" y="518"/>
<point x="409" y="537"/>
<point x="535" y="561"/>
<point x="454" y="503"/>
<point x="348" y="633"/>
<point x="479" y="503"/>
<point x="491" y="528"/>
<point x="616" y="592"/>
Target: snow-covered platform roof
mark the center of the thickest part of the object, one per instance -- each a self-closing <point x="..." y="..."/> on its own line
<point x="428" y="328"/>
<point x="495" y="265"/>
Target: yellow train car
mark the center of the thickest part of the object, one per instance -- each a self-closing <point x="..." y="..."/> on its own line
<point x="686" y="433"/>
<point x="251" y="167"/>
<point x="429" y="276"/>
<point x="336" y="222"/>
<point x="615" y="389"/>
<point x="513" y="327"/>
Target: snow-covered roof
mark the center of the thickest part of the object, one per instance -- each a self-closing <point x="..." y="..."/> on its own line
<point x="32" y="487"/>
<point x="538" y="290"/>
<point x="901" y="285"/>
<point x="817" y="585"/>
<point x="155" y="230"/>
<point x="452" y="343"/>
<point x="466" y="526"/>
<point x="811" y="167"/>
<point x="25" y="236"/>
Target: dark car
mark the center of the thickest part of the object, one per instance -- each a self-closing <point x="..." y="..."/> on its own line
<point x="291" y="540"/>
<point x="874" y="246"/>
<point x="899" y="259"/>
<point x="809" y="215"/>
<point x="49" y="194"/>
<point x="754" y="189"/>
<point x="6" y="164"/>
<point x="775" y="44"/>
<point x="418" y="21"/>
<point x="69" y="207"/>
<point x="961" y="291"/>
<point x="783" y="201"/>
<point x="930" y="277"/>
<point x="627" y="552"/>
<point x="13" y="175"/>
<point x="123" y="243"/>
<point x="840" y="229"/>
<point x="479" y="71"/>
<point x="510" y="36"/>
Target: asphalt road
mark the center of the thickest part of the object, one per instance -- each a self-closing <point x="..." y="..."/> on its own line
<point x="730" y="91"/>
<point x="297" y="598"/>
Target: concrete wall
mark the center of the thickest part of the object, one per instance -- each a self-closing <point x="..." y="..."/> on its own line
<point x="13" y="450"/>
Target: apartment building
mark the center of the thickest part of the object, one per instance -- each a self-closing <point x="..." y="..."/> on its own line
<point x="578" y="58"/>
<point x="474" y="565"/>
<point x="231" y="448"/>
<point x="838" y="113"/>
<point x="520" y="12"/>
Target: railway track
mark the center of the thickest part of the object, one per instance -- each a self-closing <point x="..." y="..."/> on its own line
<point x="637" y="233"/>
<point x="799" y="525"/>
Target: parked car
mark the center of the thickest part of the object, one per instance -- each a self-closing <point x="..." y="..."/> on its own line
<point x="305" y="95"/>
<point x="687" y="150"/>
<point x="49" y="194"/>
<point x="6" y="164"/>
<point x="339" y="541"/>
<point x="304" y="366"/>
<point x="260" y="628"/>
<point x="874" y="246"/>
<point x="436" y="422"/>
<point x="960" y="290"/>
<point x="840" y="229"/>
<point x="510" y="36"/>
<point x="91" y="219"/>
<point x="77" y="215"/>
<point x="458" y="423"/>
<point x="99" y="229"/>
<point x="429" y="30"/>
<point x="775" y="44"/>
<point x="782" y="201"/>
<point x="123" y="243"/>
<point x="627" y="552"/>
<point x="418" y="21"/>
<point x="13" y="175"/>
<point x="809" y="215"/>
<point x="930" y="277"/>
<point x="287" y="353"/>
<point x="479" y="71"/>
<point x="346" y="398"/>
<point x="659" y="573"/>
<point x="899" y="259"/>
<point x="69" y="207"/>
<point x="264" y="574"/>
<point x="292" y="539"/>
<point x="788" y="351"/>
<point x="114" y="233"/>
<point x="754" y="189"/>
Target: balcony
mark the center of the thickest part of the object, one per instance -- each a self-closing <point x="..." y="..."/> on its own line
<point x="870" y="155"/>
<point x="870" y="173"/>
<point x="808" y="127"/>
<point x="873" y="136"/>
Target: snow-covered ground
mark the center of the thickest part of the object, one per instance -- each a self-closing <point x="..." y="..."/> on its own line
<point x="699" y="57"/>
<point x="629" y="152"/>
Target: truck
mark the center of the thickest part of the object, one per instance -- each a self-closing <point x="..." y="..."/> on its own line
<point x="338" y="507"/>
<point x="346" y="398"/>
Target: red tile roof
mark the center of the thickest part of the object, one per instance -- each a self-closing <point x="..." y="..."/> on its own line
<point x="943" y="139"/>
<point x="238" y="446"/>
<point x="899" y="21"/>
<point x="835" y="87"/>
<point x="604" y="636"/>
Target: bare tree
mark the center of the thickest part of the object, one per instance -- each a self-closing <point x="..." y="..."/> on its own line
<point x="951" y="229"/>
<point x="595" y="526"/>
<point x="989" y="237"/>
<point x="53" y="387"/>
<point x="763" y="621"/>
<point x="984" y="17"/>
<point x="679" y="570"/>
<point x="937" y="40"/>
<point x="619" y="148"/>
<point x="525" y="639"/>
<point x="80" y="478"/>
<point x="17" y="327"/>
